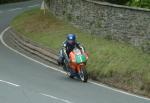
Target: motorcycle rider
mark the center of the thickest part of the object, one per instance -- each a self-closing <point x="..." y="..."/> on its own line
<point x="68" y="46"/>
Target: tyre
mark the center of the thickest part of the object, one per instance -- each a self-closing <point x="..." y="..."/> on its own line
<point x="83" y="75"/>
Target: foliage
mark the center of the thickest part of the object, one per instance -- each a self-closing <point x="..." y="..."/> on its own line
<point x="136" y="3"/>
<point x="139" y="3"/>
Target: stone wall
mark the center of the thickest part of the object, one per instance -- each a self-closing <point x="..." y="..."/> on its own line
<point x="117" y="22"/>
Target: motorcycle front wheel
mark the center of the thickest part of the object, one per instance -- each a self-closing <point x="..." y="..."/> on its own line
<point x="83" y="75"/>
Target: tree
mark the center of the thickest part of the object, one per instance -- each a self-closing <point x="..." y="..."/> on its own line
<point x="140" y="3"/>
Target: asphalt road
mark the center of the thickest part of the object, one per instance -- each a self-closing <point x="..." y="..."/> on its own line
<point x="23" y="80"/>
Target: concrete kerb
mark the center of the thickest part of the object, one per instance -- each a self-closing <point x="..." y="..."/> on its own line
<point x="34" y="48"/>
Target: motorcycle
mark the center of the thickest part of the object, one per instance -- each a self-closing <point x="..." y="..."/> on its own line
<point x="76" y="67"/>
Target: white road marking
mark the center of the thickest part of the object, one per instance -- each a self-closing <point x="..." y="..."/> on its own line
<point x="33" y="6"/>
<point x="14" y="9"/>
<point x="101" y="85"/>
<point x="56" y="98"/>
<point x="119" y="91"/>
<point x="9" y="83"/>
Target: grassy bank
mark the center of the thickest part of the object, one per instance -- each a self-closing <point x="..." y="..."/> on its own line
<point x="116" y="64"/>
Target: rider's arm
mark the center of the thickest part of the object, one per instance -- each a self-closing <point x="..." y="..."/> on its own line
<point x="65" y="51"/>
<point x="81" y="47"/>
<point x="83" y="51"/>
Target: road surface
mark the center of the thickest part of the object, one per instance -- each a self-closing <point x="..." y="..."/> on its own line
<point x="26" y="80"/>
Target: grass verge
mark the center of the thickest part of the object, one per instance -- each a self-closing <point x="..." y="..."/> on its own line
<point x="116" y="64"/>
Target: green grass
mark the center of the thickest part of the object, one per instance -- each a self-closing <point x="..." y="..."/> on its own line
<point x="118" y="64"/>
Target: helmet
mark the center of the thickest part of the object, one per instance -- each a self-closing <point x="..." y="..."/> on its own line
<point x="71" y="38"/>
